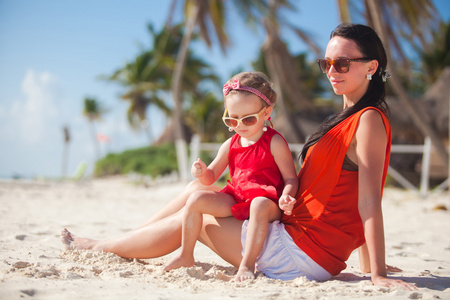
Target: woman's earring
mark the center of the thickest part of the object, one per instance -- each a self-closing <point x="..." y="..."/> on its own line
<point x="265" y="126"/>
<point x="369" y="76"/>
<point x="230" y="129"/>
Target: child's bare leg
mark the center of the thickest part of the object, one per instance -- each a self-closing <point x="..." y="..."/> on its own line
<point x="262" y="212"/>
<point x="199" y="203"/>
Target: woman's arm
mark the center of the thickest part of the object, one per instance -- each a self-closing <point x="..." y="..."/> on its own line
<point x="370" y="147"/>
<point x="364" y="260"/>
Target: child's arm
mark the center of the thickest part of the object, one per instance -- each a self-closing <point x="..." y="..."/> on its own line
<point x="286" y="204"/>
<point x="209" y="175"/>
<point x="283" y="158"/>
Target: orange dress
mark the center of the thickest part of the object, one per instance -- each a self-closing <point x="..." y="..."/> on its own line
<point x="325" y="222"/>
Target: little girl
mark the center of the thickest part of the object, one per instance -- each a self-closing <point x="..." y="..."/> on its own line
<point x="261" y="167"/>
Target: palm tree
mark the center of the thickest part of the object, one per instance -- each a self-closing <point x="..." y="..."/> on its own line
<point x="93" y="111"/>
<point x="65" y="160"/>
<point x="436" y="57"/>
<point x="282" y="70"/>
<point x="148" y="77"/>
<point x="146" y="85"/>
<point x="392" y="20"/>
<point x="205" y="116"/>
<point x="196" y="13"/>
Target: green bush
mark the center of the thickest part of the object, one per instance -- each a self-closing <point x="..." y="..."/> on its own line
<point x="153" y="161"/>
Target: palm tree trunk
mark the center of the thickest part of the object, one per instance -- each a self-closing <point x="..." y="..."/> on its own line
<point x="343" y="11"/>
<point x="280" y="65"/>
<point x="145" y="126"/>
<point x="298" y="135"/>
<point x="171" y="12"/>
<point x="180" y="141"/>
<point x="65" y="160"/>
<point x="424" y="127"/>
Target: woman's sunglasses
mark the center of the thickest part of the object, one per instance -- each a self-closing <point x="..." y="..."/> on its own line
<point x="342" y="65"/>
<point x="249" y="120"/>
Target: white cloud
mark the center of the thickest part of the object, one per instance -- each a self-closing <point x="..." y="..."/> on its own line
<point x="33" y="115"/>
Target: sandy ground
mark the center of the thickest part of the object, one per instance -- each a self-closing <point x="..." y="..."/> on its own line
<point x="34" y="265"/>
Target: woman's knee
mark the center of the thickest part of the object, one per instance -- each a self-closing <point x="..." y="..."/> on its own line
<point x="195" y="186"/>
<point x="196" y="198"/>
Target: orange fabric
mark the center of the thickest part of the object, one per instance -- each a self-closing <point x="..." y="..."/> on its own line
<point x="325" y="222"/>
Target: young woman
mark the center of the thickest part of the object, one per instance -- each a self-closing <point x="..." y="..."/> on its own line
<point x="338" y="207"/>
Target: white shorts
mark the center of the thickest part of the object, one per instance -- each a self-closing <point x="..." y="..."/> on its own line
<point x="281" y="258"/>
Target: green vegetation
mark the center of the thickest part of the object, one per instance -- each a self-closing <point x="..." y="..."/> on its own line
<point x="153" y="161"/>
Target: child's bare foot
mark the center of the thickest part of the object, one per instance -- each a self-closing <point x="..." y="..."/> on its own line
<point x="244" y="273"/>
<point x="178" y="262"/>
<point x="72" y="242"/>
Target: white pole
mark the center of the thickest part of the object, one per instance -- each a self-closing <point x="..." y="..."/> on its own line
<point x="182" y="159"/>
<point x="425" y="174"/>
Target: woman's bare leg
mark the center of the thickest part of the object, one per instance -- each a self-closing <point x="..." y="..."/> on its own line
<point x="119" y="245"/>
<point x="180" y="201"/>
<point x="262" y="212"/>
<point x="223" y="236"/>
<point x="199" y="203"/>
<point x="162" y="236"/>
<point x="154" y="240"/>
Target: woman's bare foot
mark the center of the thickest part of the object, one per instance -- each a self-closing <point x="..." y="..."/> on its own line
<point x="72" y="242"/>
<point x="244" y="273"/>
<point x="178" y="262"/>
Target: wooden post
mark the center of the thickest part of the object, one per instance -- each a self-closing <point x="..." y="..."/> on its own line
<point x="425" y="172"/>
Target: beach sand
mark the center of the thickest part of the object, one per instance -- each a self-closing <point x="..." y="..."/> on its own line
<point x="34" y="264"/>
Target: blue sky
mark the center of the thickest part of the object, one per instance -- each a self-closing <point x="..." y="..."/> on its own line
<point x="52" y="53"/>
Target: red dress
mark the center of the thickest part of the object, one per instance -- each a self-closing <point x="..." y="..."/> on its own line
<point x="253" y="172"/>
<point x="325" y="222"/>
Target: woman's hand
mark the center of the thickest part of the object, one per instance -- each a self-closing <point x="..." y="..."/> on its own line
<point x="388" y="282"/>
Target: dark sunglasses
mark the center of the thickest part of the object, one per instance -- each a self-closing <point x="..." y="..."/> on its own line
<point x="342" y="65"/>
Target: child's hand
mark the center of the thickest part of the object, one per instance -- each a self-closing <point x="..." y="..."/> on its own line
<point x="198" y="168"/>
<point x="286" y="204"/>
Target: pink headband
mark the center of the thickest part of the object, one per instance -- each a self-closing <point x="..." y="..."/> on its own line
<point x="236" y="85"/>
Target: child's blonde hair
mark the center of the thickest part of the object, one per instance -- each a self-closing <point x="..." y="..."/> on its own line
<point x="258" y="81"/>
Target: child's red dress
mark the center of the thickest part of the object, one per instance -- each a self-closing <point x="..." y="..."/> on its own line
<point x="253" y="172"/>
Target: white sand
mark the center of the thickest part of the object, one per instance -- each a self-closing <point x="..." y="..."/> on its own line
<point x="33" y="264"/>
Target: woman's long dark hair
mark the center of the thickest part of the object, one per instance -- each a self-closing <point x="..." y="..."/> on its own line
<point x="370" y="45"/>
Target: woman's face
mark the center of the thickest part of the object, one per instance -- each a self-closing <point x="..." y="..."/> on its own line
<point x="353" y="84"/>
